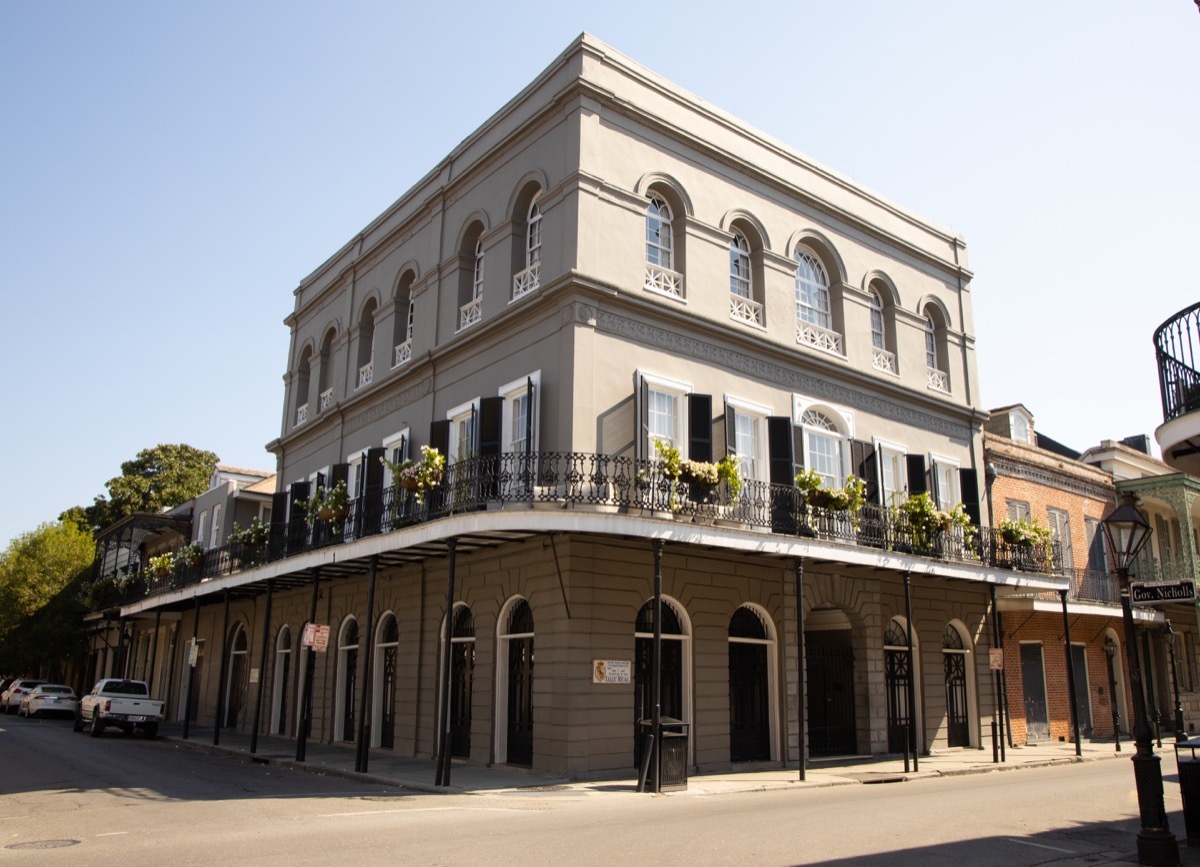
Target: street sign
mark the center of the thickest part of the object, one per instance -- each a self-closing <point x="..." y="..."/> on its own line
<point x="1162" y="593"/>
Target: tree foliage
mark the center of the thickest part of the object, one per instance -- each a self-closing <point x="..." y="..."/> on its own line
<point x="37" y="566"/>
<point x="158" y="478"/>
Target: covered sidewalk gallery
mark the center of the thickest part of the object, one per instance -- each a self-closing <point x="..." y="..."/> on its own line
<point x="538" y="598"/>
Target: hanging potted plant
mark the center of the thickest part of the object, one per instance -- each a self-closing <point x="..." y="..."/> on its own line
<point x="419" y="476"/>
<point x="162" y="565"/>
<point x="190" y="555"/>
<point x="250" y="540"/>
<point x="328" y="504"/>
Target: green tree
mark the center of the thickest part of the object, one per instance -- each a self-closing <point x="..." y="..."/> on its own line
<point x="158" y="478"/>
<point x="37" y="565"/>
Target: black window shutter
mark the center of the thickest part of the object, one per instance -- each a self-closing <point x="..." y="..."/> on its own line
<point x="916" y="474"/>
<point x="531" y="413"/>
<point x="439" y="436"/>
<point x="371" y="509"/>
<point x="700" y="427"/>
<point x="862" y="455"/>
<point x="968" y="484"/>
<point x="798" y="452"/>
<point x="320" y="481"/>
<point x="279" y="501"/>
<point x="730" y="430"/>
<point x="339" y="473"/>
<point x="491" y="413"/>
<point x="781" y="451"/>
<point x="297" y="521"/>
<point x="642" y="422"/>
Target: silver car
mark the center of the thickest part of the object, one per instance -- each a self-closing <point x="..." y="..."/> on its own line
<point x="10" y="701"/>
<point x="49" y="699"/>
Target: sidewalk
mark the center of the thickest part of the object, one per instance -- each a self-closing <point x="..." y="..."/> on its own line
<point x="387" y="768"/>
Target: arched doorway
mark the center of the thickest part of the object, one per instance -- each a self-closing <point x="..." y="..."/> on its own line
<point x="955" y="656"/>
<point x="674" y="669"/>
<point x="1116" y="681"/>
<point x="829" y="667"/>
<point x="383" y="695"/>
<point x="235" y="676"/>
<point x="751" y="650"/>
<point x="280" y="681"/>
<point x="347" y="676"/>
<point x="897" y="677"/>
<point x="514" y="703"/>
<point x="462" y="673"/>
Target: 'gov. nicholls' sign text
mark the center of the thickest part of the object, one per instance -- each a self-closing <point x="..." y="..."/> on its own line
<point x="1162" y="593"/>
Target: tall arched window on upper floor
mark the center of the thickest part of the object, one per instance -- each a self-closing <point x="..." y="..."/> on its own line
<point x="935" y="350"/>
<point x="746" y="275"/>
<point x="661" y="275"/>
<point x="366" y="344"/>
<point x="883" y="329"/>
<point x="325" y="379"/>
<point x="302" y="374"/>
<point x="824" y="447"/>
<point x="815" y="321"/>
<point x="528" y="279"/>
<point x="403" y="316"/>
<point x="470" y="280"/>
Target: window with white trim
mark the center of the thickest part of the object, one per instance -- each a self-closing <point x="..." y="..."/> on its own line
<point x="812" y="290"/>
<point x="878" y="337"/>
<point x="747" y="432"/>
<point x="931" y="353"/>
<point x="659" y="243"/>
<point x="477" y="277"/>
<point x="355" y="477"/>
<point x="215" y="538"/>
<point x="1018" y="510"/>
<point x="396" y="447"/>
<point x="662" y="420"/>
<point x="462" y="431"/>
<point x="739" y="265"/>
<point x="824" y="448"/>
<point x="515" y="420"/>
<point x="533" y="233"/>
<point x="945" y="473"/>
<point x="202" y="527"/>
<point x="893" y="474"/>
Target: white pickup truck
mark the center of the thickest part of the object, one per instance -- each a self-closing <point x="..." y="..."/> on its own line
<point x="123" y="704"/>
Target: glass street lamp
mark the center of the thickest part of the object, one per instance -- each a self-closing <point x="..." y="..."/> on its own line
<point x="1126" y="533"/>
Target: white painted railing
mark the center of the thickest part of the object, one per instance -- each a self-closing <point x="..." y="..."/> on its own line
<point x="664" y="281"/>
<point x="885" y="361"/>
<point x="526" y="281"/>
<point x="403" y="353"/>
<point x="939" y="380"/>
<point x="326" y="399"/>
<point x="470" y="313"/>
<point x="821" y="338"/>
<point x="366" y="373"/>
<point x="301" y="414"/>
<point x="745" y="309"/>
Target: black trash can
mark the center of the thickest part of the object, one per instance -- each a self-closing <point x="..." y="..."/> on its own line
<point x="674" y="754"/>
<point x="1188" y="764"/>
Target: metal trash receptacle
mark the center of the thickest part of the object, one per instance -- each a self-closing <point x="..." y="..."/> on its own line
<point x="673" y="760"/>
<point x="1188" y="764"/>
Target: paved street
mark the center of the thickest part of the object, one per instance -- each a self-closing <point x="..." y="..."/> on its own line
<point x="127" y="800"/>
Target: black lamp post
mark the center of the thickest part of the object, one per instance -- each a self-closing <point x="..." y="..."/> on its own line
<point x="1110" y="650"/>
<point x="1171" y="636"/>
<point x="1126" y="533"/>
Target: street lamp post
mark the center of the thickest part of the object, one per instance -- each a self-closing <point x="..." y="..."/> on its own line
<point x="1126" y="533"/>
<point x="1172" y="635"/>
<point x="1110" y="650"/>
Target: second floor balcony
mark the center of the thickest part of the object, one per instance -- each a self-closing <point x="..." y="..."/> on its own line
<point x="620" y="488"/>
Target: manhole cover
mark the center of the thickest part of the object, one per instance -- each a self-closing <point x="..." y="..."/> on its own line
<point x="43" y="844"/>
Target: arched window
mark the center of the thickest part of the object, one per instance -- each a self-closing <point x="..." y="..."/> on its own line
<point x="302" y="376"/>
<point x="470" y="281"/>
<point x="954" y="665"/>
<point x="676" y="671"/>
<point x="739" y="265"/>
<point x="366" y="344"/>
<point x="514" y="705"/>
<point x="659" y="242"/>
<point x="236" y="673"/>
<point x="402" y="320"/>
<point x="883" y="348"/>
<point x="823" y="448"/>
<point x="751" y="676"/>
<point x="898" y="679"/>
<point x="663" y="265"/>
<point x="746" y="276"/>
<point x="935" y="350"/>
<point x="347" y="680"/>
<point x="477" y="275"/>
<point x="281" y="681"/>
<point x="528" y="279"/>
<point x="814" y="312"/>
<point x="462" y="675"/>
<point x="325" y="384"/>
<point x="383" y="693"/>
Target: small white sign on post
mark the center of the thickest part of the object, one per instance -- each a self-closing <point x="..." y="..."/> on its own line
<point x="996" y="659"/>
<point x="193" y="652"/>
<point x="254" y="675"/>
<point x="612" y="671"/>
<point x="315" y="636"/>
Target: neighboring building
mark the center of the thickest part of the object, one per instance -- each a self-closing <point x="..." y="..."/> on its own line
<point x="1042" y="480"/>
<point x="607" y="264"/>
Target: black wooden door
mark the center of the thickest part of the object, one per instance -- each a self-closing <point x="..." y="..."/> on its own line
<point x="349" y="691"/>
<point x="831" y="718"/>
<point x="1083" y="706"/>
<point x="237" y="690"/>
<point x="462" y="673"/>
<point x="957" y="713"/>
<point x="643" y="677"/>
<point x="1037" y="721"/>
<point x="896" y="678"/>
<point x="520" y="701"/>
<point x="749" y="726"/>
<point x="387" y="715"/>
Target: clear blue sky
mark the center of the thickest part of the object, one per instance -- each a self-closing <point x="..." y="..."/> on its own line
<point x="170" y="171"/>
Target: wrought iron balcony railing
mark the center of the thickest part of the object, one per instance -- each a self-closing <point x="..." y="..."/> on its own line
<point x="617" y="485"/>
<point x="1177" y="348"/>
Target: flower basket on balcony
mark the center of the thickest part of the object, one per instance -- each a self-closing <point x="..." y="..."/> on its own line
<point x="1025" y="532"/>
<point x="162" y="565"/>
<point x="328" y="504"/>
<point x="191" y="556"/>
<point x="420" y="476"/>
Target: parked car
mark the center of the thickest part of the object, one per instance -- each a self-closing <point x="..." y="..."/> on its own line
<point x="10" y="701"/>
<point x="49" y="699"/>
<point x="123" y="704"/>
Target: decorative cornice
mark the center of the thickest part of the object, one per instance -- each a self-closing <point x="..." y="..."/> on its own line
<point x="789" y="378"/>
<point x="376" y="411"/>
<point x="1047" y="477"/>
